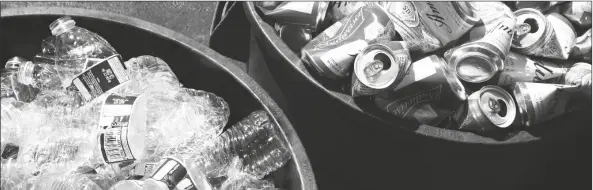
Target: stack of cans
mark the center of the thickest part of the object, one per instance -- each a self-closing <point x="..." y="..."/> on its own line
<point x="468" y="66"/>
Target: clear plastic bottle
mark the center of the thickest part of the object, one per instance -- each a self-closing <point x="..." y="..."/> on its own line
<point x="150" y="73"/>
<point x="74" y="47"/>
<point x="42" y="76"/>
<point x="70" y="181"/>
<point x="251" y="139"/>
<point x="175" y="117"/>
<point x="10" y="87"/>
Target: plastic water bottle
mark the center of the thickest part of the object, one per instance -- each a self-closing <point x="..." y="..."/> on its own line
<point x="251" y="139"/>
<point x="149" y="72"/>
<point x="70" y="181"/>
<point x="183" y="115"/>
<point x="10" y="87"/>
<point x="43" y="76"/>
<point x="74" y="47"/>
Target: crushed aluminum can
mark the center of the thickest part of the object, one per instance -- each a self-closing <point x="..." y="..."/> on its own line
<point x="550" y="36"/>
<point x="379" y="66"/>
<point x="428" y="26"/>
<point x="540" y="102"/>
<point x="490" y="12"/>
<point x="341" y="9"/>
<point x="478" y="61"/>
<point x="428" y="93"/>
<point x="332" y="53"/>
<point x="582" y="47"/>
<point x="486" y="110"/>
<point x="309" y="14"/>
<point x="520" y="68"/>
<point x="578" y="12"/>
<point x="295" y="36"/>
<point x="580" y="75"/>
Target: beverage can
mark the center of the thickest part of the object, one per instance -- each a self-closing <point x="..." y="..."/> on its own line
<point x="488" y="109"/>
<point x="309" y="14"/>
<point x="331" y="54"/>
<point x="582" y="47"/>
<point x="520" y="68"/>
<point x="427" y="94"/>
<point x="341" y="9"/>
<point x="550" y="36"/>
<point x="540" y="102"/>
<point x="379" y="66"/>
<point x="578" y="12"/>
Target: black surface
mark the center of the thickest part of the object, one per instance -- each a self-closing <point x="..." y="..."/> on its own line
<point x="196" y="66"/>
<point x="347" y="146"/>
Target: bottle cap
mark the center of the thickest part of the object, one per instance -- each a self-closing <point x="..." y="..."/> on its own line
<point x="61" y="25"/>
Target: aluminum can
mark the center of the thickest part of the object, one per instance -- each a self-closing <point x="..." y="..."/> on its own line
<point x="172" y="174"/>
<point x="309" y="14"/>
<point x="578" y="12"/>
<point x="542" y="6"/>
<point x="295" y="36"/>
<point x="582" y="47"/>
<point x="341" y="9"/>
<point x="550" y="36"/>
<point x="379" y="66"/>
<point x="332" y="53"/>
<point x="480" y="60"/>
<point x="540" y="102"/>
<point x="428" y="93"/>
<point x="428" y="26"/>
<point x="520" y="68"/>
<point x="486" y="110"/>
<point x="580" y="75"/>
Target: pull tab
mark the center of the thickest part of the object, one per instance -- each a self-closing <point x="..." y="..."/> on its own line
<point x="373" y="69"/>
<point x="522" y="29"/>
<point x="494" y="105"/>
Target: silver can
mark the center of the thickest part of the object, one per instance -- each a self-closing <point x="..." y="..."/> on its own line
<point x="520" y="68"/>
<point x="480" y="60"/>
<point x="550" y="36"/>
<point x="540" y="102"/>
<point x="379" y="66"/>
<point x="580" y="75"/>
<point x="582" y="47"/>
<point x="428" y="26"/>
<point x="538" y="5"/>
<point x="341" y="9"/>
<point x="486" y="110"/>
<point x="579" y="12"/>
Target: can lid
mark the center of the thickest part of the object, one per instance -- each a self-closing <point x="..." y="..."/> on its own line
<point x="497" y="105"/>
<point x="537" y="24"/>
<point x="389" y="72"/>
<point x="476" y="66"/>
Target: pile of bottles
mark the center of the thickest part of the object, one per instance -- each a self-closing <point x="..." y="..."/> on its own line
<point x="481" y="67"/>
<point x="76" y="116"/>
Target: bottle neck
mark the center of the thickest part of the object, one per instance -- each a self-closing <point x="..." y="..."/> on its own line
<point x="26" y="73"/>
<point x="62" y="25"/>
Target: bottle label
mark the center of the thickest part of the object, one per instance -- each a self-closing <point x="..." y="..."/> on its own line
<point x="443" y="20"/>
<point x="143" y="169"/>
<point x="174" y="174"/>
<point x="100" y="78"/>
<point x="519" y="68"/>
<point x="114" y="121"/>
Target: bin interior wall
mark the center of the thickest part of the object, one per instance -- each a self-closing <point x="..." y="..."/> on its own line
<point x="22" y="36"/>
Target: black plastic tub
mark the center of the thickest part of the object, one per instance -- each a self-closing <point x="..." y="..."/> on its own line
<point x="196" y="66"/>
<point x="366" y="151"/>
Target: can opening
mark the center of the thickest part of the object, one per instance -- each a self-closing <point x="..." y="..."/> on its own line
<point x="533" y="23"/>
<point x="384" y="59"/>
<point x="498" y="106"/>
